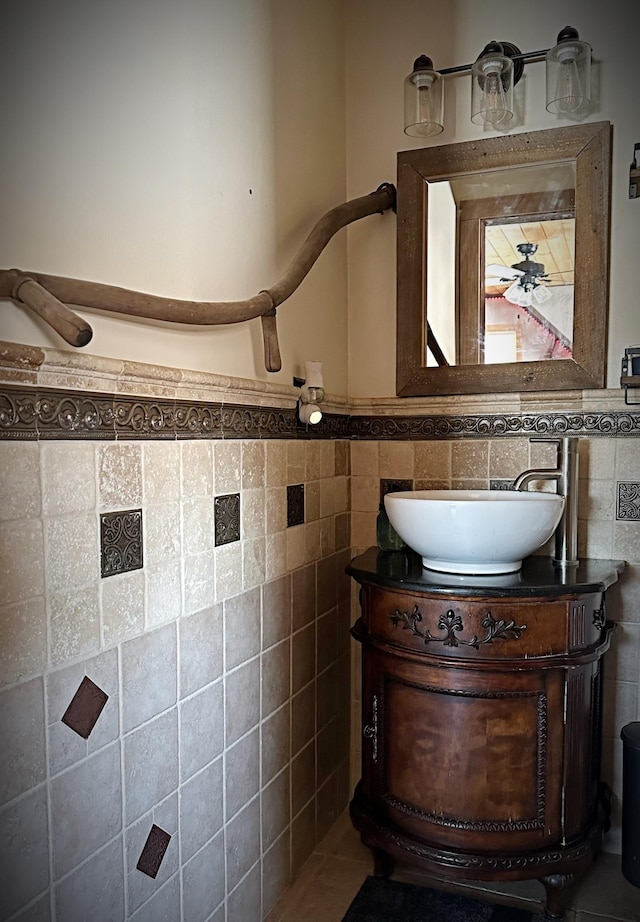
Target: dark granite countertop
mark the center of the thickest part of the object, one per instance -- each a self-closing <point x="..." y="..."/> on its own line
<point x="538" y="576"/>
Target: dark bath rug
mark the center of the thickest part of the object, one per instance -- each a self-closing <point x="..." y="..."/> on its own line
<point x="384" y="900"/>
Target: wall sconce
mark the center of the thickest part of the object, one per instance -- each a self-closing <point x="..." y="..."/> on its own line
<point x="311" y="394"/>
<point x="494" y="74"/>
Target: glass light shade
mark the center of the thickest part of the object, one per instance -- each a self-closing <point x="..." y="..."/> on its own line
<point x="313" y="387"/>
<point x="423" y="100"/>
<point x="541" y="294"/>
<point x="492" y="90"/>
<point x="526" y="298"/>
<point x="514" y="293"/>
<point x="313" y="374"/>
<point x="569" y="76"/>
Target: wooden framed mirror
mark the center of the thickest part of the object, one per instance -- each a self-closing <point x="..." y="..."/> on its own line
<point x="503" y="263"/>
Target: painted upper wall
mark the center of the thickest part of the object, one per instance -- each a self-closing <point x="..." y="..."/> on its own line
<point x="182" y="149"/>
<point x="382" y="41"/>
<point x="187" y="150"/>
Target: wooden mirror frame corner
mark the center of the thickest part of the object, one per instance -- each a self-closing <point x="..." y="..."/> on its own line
<point x="588" y="146"/>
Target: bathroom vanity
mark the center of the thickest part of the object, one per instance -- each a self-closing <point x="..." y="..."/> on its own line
<point x="481" y="719"/>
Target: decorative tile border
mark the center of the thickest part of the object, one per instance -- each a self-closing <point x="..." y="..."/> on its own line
<point x="628" y="507"/>
<point x="38" y="413"/>
<point x="409" y="428"/>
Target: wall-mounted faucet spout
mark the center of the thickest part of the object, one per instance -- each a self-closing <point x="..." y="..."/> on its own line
<point x="565" y="475"/>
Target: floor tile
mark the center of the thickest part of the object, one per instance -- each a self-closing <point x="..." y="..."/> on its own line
<point x="606" y="894"/>
<point x="329" y="881"/>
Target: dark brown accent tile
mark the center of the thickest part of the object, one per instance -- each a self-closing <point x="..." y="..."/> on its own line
<point x="120" y="542"/>
<point x="295" y="504"/>
<point x="154" y="851"/>
<point x="85" y="708"/>
<point x="628" y="506"/>
<point x="394" y="486"/>
<point x="227" y="518"/>
<point x="501" y="484"/>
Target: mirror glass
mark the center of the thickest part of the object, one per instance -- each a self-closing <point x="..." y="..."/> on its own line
<point x="498" y="244"/>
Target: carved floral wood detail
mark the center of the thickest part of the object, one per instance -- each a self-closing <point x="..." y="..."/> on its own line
<point x="451" y="624"/>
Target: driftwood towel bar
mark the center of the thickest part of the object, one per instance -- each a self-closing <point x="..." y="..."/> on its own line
<point x="49" y="295"/>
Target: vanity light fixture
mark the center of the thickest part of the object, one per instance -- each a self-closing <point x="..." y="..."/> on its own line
<point x="494" y="74"/>
<point x="311" y="394"/>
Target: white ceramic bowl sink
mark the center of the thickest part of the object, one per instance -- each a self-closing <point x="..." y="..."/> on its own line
<point x="474" y="531"/>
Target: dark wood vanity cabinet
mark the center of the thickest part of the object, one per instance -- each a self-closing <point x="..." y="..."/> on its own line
<point x="481" y="720"/>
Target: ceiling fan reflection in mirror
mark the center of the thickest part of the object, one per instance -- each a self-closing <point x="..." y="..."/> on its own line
<point x="525" y="278"/>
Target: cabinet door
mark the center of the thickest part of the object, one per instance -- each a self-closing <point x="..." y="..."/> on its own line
<point x="464" y="757"/>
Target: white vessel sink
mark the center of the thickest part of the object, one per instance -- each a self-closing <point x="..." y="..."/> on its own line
<point x="474" y="531"/>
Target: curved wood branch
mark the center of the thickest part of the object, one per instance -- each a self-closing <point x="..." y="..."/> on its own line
<point x="272" y="360"/>
<point x="63" y="291"/>
<point x="72" y="328"/>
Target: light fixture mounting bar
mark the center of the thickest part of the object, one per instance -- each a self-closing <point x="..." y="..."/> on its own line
<point x="526" y="57"/>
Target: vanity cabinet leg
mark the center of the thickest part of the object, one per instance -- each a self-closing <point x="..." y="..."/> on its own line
<point x="559" y="888"/>
<point x="383" y="863"/>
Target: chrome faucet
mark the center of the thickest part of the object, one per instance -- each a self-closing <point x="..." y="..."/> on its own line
<point x="566" y="476"/>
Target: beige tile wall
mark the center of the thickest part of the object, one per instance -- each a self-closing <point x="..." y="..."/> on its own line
<point x="469" y="463"/>
<point x="227" y="671"/>
<point x="223" y="665"/>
